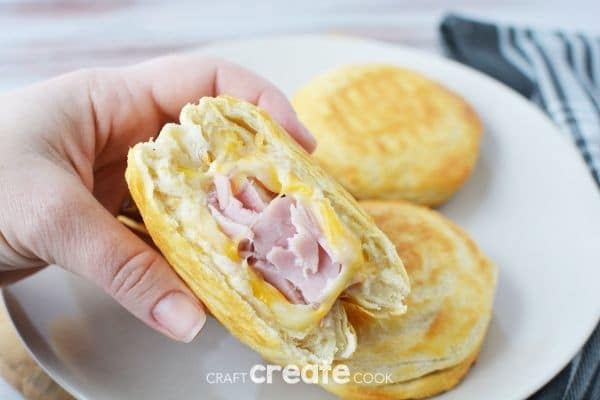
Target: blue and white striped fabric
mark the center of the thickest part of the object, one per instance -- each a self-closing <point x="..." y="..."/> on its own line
<point x="561" y="73"/>
<point x="566" y="68"/>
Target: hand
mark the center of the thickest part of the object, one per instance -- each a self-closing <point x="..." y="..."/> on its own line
<point x="65" y="143"/>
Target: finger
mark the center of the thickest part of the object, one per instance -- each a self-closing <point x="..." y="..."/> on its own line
<point x="9" y="277"/>
<point x="276" y="104"/>
<point x="16" y="258"/>
<point x="176" y="80"/>
<point x="138" y="228"/>
<point x="110" y="188"/>
<point x="135" y="226"/>
<point x="73" y="230"/>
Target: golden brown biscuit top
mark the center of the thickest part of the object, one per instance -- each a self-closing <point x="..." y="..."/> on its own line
<point x="452" y="286"/>
<point x="387" y="132"/>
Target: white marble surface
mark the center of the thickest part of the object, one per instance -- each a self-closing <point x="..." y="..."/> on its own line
<point x="42" y="38"/>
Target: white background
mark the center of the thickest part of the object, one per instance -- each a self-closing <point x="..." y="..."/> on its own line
<point x="40" y="38"/>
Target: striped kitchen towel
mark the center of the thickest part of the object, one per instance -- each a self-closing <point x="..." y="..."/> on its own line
<point x="561" y="73"/>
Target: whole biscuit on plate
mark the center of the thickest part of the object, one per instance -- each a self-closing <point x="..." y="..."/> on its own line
<point x="386" y="132"/>
<point x="430" y="348"/>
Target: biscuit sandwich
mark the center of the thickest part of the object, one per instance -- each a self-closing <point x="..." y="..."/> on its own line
<point x="270" y="243"/>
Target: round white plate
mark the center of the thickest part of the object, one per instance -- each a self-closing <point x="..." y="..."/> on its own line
<point x="530" y="204"/>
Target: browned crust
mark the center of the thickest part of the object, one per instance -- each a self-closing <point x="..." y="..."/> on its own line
<point x="223" y="302"/>
<point x="416" y="231"/>
<point x="386" y="132"/>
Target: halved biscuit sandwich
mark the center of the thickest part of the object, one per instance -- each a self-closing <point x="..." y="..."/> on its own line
<point x="430" y="348"/>
<point x="264" y="237"/>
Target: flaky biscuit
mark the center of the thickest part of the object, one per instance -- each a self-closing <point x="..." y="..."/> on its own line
<point x="430" y="348"/>
<point x="171" y="180"/>
<point x="386" y="132"/>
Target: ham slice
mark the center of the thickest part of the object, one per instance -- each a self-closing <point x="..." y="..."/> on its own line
<point x="234" y="230"/>
<point x="287" y="288"/>
<point x="254" y="196"/>
<point x="229" y="205"/>
<point x="306" y="250"/>
<point x="273" y="227"/>
<point x="278" y="237"/>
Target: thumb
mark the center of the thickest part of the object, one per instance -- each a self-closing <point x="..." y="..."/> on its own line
<point x="79" y="234"/>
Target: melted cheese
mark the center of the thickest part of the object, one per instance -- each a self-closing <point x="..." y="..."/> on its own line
<point x="240" y="155"/>
<point x="344" y="245"/>
<point x="295" y="317"/>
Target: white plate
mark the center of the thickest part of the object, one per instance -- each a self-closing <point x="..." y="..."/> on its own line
<point x="531" y="205"/>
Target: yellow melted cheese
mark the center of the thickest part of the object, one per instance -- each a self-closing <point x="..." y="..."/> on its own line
<point x="344" y="244"/>
<point x="234" y="155"/>
<point x="297" y="317"/>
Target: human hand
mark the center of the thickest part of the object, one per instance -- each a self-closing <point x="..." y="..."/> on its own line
<point x="65" y="144"/>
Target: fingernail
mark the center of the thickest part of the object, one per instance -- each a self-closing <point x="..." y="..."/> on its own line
<point x="179" y="315"/>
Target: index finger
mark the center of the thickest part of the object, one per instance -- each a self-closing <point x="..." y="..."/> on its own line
<point x="171" y="82"/>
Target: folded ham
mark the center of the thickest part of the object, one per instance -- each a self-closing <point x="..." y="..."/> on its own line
<point x="278" y="236"/>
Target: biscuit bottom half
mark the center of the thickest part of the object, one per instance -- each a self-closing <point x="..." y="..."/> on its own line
<point x="430" y="348"/>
